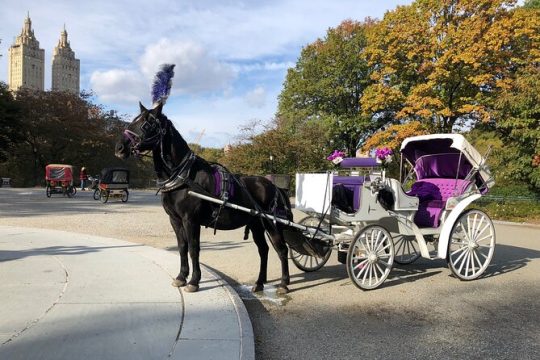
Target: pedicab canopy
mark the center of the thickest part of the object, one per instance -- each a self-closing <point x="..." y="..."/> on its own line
<point x="59" y="172"/>
<point x="115" y="175"/>
<point x="446" y="156"/>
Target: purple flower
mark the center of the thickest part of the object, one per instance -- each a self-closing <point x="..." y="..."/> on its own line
<point x="336" y="157"/>
<point x="384" y="155"/>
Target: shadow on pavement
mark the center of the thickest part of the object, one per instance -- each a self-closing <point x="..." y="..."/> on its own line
<point x="8" y="255"/>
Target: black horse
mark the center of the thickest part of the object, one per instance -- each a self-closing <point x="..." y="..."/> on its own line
<point x="179" y="170"/>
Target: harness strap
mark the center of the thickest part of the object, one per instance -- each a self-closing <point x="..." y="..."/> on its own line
<point x="179" y="174"/>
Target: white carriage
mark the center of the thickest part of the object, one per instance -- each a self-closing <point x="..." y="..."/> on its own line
<point x="386" y="224"/>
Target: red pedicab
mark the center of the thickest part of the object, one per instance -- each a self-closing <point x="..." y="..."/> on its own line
<point x="59" y="178"/>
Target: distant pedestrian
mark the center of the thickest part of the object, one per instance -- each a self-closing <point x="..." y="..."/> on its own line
<point x="83" y="176"/>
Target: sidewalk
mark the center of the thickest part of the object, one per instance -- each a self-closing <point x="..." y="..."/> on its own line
<point x="74" y="296"/>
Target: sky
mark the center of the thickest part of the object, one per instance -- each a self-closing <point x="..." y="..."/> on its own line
<point x="231" y="56"/>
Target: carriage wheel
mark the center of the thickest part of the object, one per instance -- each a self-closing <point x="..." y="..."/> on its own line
<point x="97" y="194"/>
<point x="48" y="191"/>
<point x="104" y="196"/>
<point x="125" y="195"/>
<point x="407" y="250"/>
<point x="471" y="245"/>
<point x="370" y="257"/>
<point x="310" y="263"/>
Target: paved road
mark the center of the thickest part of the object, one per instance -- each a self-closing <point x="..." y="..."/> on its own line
<point x="421" y="311"/>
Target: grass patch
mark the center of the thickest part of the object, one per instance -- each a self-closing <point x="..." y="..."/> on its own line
<point x="508" y="210"/>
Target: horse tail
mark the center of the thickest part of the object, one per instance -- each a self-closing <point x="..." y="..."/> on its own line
<point x="284" y="195"/>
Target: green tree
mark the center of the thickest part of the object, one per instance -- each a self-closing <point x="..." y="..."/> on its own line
<point x="532" y="4"/>
<point x="301" y="150"/>
<point x="444" y="61"/>
<point x="327" y="84"/>
<point x="519" y="126"/>
<point x="10" y="125"/>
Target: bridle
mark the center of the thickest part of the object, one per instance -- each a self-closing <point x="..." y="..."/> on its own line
<point x="150" y="124"/>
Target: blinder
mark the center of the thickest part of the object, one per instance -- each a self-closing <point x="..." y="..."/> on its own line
<point x="150" y="133"/>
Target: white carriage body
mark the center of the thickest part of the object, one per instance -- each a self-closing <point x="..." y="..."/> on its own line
<point x="435" y="158"/>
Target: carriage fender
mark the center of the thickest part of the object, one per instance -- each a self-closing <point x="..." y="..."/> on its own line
<point x="444" y="238"/>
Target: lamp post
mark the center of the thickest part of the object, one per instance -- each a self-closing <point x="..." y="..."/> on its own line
<point x="271" y="164"/>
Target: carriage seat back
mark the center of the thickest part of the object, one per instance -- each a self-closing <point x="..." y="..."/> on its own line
<point x="433" y="194"/>
<point x="353" y="185"/>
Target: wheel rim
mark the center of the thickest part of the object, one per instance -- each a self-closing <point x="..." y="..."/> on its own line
<point x="370" y="257"/>
<point x="472" y="244"/>
<point x="125" y="196"/>
<point x="406" y="249"/>
<point x="310" y="263"/>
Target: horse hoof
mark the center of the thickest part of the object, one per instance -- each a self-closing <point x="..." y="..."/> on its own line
<point x="191" y="288"/>
<point x="282" y="290"/>
<point x="257" y="288"/>
<point x="178" y="283"/>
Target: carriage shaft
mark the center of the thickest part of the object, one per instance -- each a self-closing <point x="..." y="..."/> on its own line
<point x="254" y="212"/>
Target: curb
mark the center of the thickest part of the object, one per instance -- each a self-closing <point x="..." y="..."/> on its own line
<point x="510" y="223"/>
<point x="247" y="340"/>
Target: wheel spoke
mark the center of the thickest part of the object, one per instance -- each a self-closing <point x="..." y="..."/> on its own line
<point x="401" y="244"/>
<point x="383" y="240"/>
<point x="480" y="265"/>
<point x="360" y="264"/>
<point x="382" y="250"/>
<point x="456" y="261"/>
<point x="462" y="261"/>
<point x="458" y="250"/>
<point x="381" y="270"/>
<point x="488" y="236"/>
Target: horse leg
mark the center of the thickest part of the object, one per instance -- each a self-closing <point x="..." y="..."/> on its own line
<point x="193" y="234"/>
<point x="183" y="250"/>
<point x="278" y="241"/>
<point x="258" y="236"/>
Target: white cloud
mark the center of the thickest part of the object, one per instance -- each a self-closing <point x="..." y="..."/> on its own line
<point x="196" y="70"/>
<point x="118" y="85"/>
<point x="256" y="98"/>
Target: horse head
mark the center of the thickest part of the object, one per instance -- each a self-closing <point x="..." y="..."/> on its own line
<point x="146" y="130"/>
<point x="143" y="134"/>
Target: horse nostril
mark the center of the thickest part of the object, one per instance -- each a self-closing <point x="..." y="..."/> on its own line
<point x="119" y="147"/>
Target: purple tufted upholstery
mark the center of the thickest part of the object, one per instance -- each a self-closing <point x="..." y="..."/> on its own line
<point x="433" y="194"/>
<point x="353" y="183"/>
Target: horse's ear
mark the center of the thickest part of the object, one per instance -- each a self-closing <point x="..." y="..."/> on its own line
<point x="158" y="108"/>
<point x="141" y="106"/>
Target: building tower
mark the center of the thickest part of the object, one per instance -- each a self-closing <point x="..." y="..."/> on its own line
<point x="26" y="64"/>
<point x="65" y="67"/>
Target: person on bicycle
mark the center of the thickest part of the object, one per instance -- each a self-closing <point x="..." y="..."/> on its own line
<point x="83" y="177"/>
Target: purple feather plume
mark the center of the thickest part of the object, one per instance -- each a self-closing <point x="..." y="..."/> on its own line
<point x="162" y="83"/>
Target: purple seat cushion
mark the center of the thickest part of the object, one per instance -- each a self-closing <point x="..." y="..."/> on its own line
<point x="359" y="162"/>
<point x="433" y="194"/>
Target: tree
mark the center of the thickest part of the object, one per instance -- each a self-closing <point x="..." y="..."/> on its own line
<point x="59" y="127"/>
<point x="10" y="125"/>
<point x="327" y="84"/>
<point x="444" y="62"/>
<point x="519" y="126"/>
<point x="303" y="150"/>
<point x="531" y="4"/>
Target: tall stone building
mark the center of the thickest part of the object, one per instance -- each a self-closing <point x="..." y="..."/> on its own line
<point x="65" y="67"/>
<point x="26" y="60"/>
